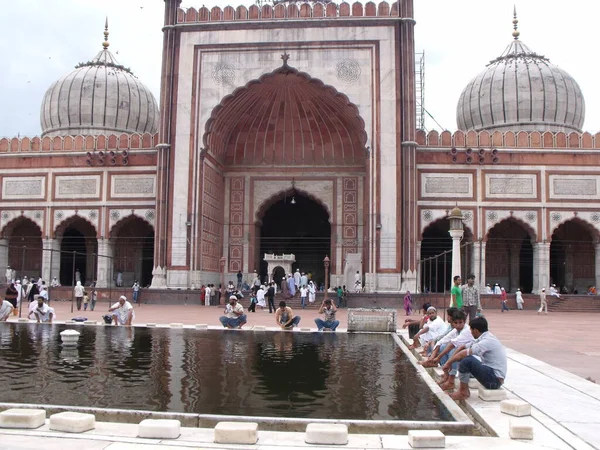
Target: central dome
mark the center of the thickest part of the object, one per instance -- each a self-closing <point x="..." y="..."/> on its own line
<point x="98" y="97"/>
<point x="521" y="91"/>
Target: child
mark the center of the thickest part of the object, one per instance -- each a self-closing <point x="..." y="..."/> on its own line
<point x="94" y="298"/>
<point x="86" y="300"/>
<point x="303" y="294"/>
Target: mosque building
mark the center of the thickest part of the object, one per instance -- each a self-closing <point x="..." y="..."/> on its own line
<point x="291" y="128"/>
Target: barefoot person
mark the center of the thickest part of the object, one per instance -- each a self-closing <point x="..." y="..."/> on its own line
<point x="122" y="312"/>
<point x="431" y="330"/>
<point x="329" y="309"/>
<point x="234" y="314"/>
<point x="43" y="313"/>
<point x="490" y="371"/>
<point x="284" y="316"/>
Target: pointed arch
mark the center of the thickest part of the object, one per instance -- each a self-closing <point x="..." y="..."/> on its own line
<point x="131" y="241"/>
<point x="66" y="222"/>
<point x="14" y="224"/>
<point x="25" y="246"/>
<point x="288" y="193"/>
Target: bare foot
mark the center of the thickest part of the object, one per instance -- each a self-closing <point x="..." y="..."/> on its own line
<point x="447" y="386"/>
<point x="460" y="395"/>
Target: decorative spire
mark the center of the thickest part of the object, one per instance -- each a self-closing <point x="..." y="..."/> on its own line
<point x="515" y="21"/>
<point x="285" y="56"/>
<point x="105" y="44"/>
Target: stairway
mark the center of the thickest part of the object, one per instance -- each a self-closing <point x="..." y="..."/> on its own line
<point x="574" y="303"/>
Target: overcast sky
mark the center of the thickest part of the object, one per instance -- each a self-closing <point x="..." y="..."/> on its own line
<point x="43" y="39"/>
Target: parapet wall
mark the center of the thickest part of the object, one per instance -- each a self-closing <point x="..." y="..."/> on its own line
<point x="79" y="143"/>
<point x="509" y="139"/>
<point x="292" y="11"/>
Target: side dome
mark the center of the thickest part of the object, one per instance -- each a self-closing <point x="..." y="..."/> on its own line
<point x="521" y="91"/>
<point x="99" y="97"/>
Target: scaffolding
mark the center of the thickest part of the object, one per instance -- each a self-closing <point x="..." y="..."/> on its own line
<point x="420" y="89"/>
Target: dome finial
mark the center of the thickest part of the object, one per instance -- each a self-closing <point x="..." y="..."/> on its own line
<point x="105" y="44"/>
<point x="515" y="32"/>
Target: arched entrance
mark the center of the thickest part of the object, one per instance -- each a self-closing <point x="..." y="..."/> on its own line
<point x="78" y="250"/>
<point x="278" y="274"/>
<point x="295" y="223"/>
<point x="509" y="256"/>
<point x="24" y="247"/>
<point x="436" y="273"/>
<point x="572" y="256"/>
<point x="132" y="240"/>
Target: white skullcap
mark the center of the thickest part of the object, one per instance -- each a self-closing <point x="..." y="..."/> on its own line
<point x="122" y="297"/>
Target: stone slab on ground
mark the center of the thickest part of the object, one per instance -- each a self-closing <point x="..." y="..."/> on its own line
<point x="326" y="434"/>
<point x="520" y="429"/>
<point x="236" y="433"/>
<point x="492" y="395"/>
<point x="514" y="407"/>
<point x="159" y="429"/>
<point x="22" y="418"/>
<point x="72" y="422"/>
<point x="426" y="439"/>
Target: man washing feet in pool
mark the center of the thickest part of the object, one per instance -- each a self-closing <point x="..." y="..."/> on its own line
<point x="490" y="371"/>
<point x="431" y="330"/>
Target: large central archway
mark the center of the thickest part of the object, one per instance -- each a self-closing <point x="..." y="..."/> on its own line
<point x="300" y="225"/>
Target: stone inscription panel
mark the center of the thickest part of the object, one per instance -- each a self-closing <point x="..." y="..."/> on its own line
<point x="15" y="188"/>
<point x="73" y="187"/>
<point x="133" y="186"/>
<point x="511" y="186"/>
<point x="446" y="185"/>
<point x="574" y="186"/>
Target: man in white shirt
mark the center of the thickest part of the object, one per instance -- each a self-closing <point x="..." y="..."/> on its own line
<point x="43" y="312"/>
<point x="431" y="330"/>
<point x="207" y="294"/>
<point x="484" y="359"/>
<point x="6" y="308"/>
<point x="122" y="312"/>
<point x="234" y="314"/>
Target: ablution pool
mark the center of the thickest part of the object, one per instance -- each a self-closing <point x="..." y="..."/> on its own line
<point x="351" y="377"/>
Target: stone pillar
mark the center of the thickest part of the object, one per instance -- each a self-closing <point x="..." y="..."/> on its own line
<point x="597" y="263"/>
<point x="482" y="281"/>
<point x="105" y="266"/>
<point x="4" y="258"/>
<point x="475" y="260"/>
<point x="514" y="267"/>
<point x="456" y="236"/>
<point x="541" y="266"/>
<point x="569" y="268"/>
<point x="50" y="259"/>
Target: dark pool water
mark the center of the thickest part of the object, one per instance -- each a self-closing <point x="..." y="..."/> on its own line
<point x="274" y="374"/>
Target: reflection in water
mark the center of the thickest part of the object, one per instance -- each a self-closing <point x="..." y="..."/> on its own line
<point x="281" y="374"/>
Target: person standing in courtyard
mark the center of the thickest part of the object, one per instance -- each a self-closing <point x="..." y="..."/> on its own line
<point x="519" y="299"/>
<point x="312" y="292"/>
<point x="234" y="314"/>
<point x="78" y="292"/>
<point x="303" y="295"/>
<point x="543" y="302"/>
<point x="291" y="286"/>
<point x="136" y="291"/>
<point x="297" y="278"/>
<point x="207" y="294"/>
<point x="408" y="303"/>
<point x="122" y="312"/>
<point x="503" y="300"/>
<point x="456" y="293"/>
<point x="239" y="276"/>
<point x="329" y="309"/>
<point x="484" y="359"/>
<point x="303" y="280"/>
<point x="260" y="297"/>
<point x="284" y="316"/>
<point x="11" y="295"/>
<point x="93" y="298"/>
<point x="471" y="298"/>
<point x="270" y="296"/>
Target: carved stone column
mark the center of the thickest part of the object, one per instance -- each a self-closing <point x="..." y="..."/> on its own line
<point x="482" y="281"/>
<point x="50" y="259"/>
<point x="541" y="266"/>
<point x="105" y="264"/>
<point x="569" y="268"/>
<point x="4" y="257"/>
<point x="514" y="267"/>
<point x="475" y="261"/>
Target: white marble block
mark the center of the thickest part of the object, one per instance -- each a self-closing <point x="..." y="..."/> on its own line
<point x="259" y="328"/>
<point x="176" y="325"/>
<point x="22" y="418"/>
<point x="305" y="329"/>
<point x="236" y="433"/>
<point x="151" y="325"/>
<point x="202" y="326"/>
<point x="517" y="408"/>
<point x="326" y="434"/>
<point x="426" y="439"/>
<point x="474" y="384"/>
<point x="492" y="395"/>
<point x="23" y="319"/>
<point x="90" y="322"/>
<point x="159" y="429"/>
<point x="438" y="372"/>
<point x="72" y="422"/>
<point x="520" y="429"/>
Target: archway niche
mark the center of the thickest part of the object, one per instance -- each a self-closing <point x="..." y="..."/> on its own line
<point x="295" y="223"/>
<point x="509" y="256"/>
<point x="572" y="256"/>
<point x="436" y="273"/>
<point x="132" y="241"/>
<point x="24" y="247"/>
<point x="278" y="274"/>
<point x="78" y="251"/>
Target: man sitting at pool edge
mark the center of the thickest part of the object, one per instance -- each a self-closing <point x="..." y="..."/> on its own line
<point x="122" y="312"/>
<point x="234" y="314"/>
<point x="490" y="371"/>
<point x="329" y="309"/>
<point x="43" y="313"/>
<point x="284" y="316"/>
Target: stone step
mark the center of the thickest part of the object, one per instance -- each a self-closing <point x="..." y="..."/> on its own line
<point x="326" y="434"/>
<point x="236" y="433"/>
<point x="22" y="418"/>
<point x="72" y="422"/>
<point x="426" y="439"/>
<point x="159" y="429"/>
